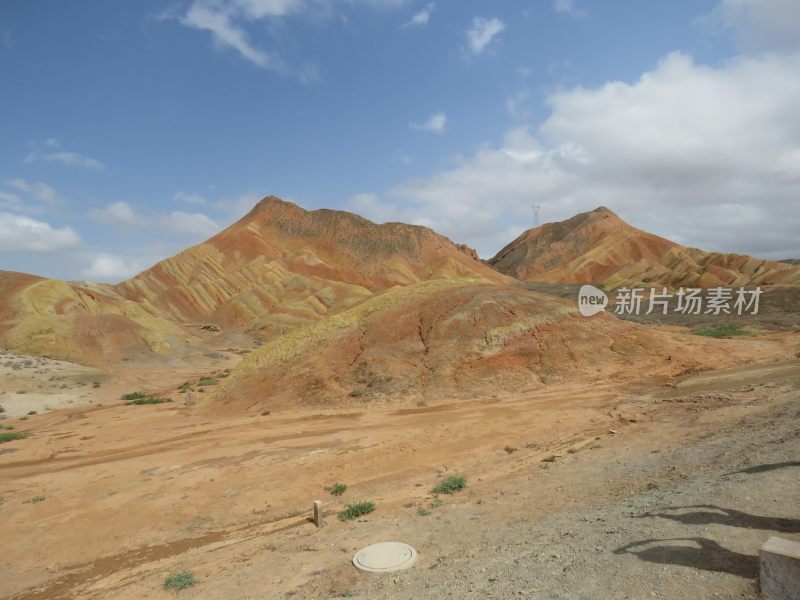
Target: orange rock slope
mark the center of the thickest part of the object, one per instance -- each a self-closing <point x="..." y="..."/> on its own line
<point x="460" y="339"/>
<point x="598" y="247"/>
<point x="85" y="323"/>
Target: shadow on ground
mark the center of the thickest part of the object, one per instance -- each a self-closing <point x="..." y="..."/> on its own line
<point x="705" y="554"/>
<point x="717" y="515"/>
<point x="766" y="468"/>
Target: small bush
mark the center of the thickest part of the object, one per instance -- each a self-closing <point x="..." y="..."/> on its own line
<point x="423" y="512"/>
<point x="207" y="381"/>
<point x="37" y="499"/>
<point x="10" y="436"/>
<point x="179" y="580"/>
<point x="451" y="485"/>
<point x="133" y="396"/>
<point x="353" y="511"/>
<point x="150" y="400"/>
<point x="337" y="489"/>
<point x="721" y="331"/>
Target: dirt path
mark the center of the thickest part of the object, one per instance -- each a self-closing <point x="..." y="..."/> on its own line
<point x="131" y="493"/>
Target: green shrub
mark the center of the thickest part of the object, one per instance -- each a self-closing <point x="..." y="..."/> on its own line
<point x="10" y="436"/>
<point x="337" y="489"/>
<point x="353" y="511"/>
<point x="179" y="580"/>
<point x="150" y="400"/>
<point x="37" y="499"/>
<point x="721" y="331"/>
<point x="207" y="381"/>
<point x="133" y="396"/>
<point x="451" y="485"/>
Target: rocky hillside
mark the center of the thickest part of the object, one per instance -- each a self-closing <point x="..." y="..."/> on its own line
<point x="598" y="247"/>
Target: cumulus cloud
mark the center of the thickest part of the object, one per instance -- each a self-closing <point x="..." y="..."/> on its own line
<point x="482" y="32"/>
<point x="51" y="151"/>
<point x="435" y="124"/>
<point x="758" y="25"/>
<point x="422" y="17"/>
<point x="705" y="156"/>
<point x="111" y="268"/>
<point x="23" y="234"/>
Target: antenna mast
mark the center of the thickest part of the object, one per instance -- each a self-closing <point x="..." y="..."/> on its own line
<point x="536" y="208"/>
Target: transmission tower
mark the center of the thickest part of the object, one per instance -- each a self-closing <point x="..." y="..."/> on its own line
<point x="536" y="208"/>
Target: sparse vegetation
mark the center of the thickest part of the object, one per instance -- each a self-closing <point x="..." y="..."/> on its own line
<point x="451" y="485"/>
<point x="37" y="499"/>
<point x="510" y="449"/>
<point x="357" y="509"/>
<point x="133" y="396"/>
<point x="207" y="381"/>
<point x="721" y="331"/>
<point x="10" y="436"/>
<point x="150" y="400"/>
<point x="423" y="512"/>
<point x="337" y="489"/>
<point x="179" y="580"/>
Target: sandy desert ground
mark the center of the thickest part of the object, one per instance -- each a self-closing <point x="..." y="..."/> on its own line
<point x="103" y="499"/>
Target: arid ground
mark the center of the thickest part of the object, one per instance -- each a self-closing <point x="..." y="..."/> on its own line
<point x="574" y="491"/>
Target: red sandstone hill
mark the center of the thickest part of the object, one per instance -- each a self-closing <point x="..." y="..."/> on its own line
<point x="281" y="265"/>
<point x="598" y="247"/>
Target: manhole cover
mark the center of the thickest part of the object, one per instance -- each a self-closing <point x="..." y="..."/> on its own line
<point x="385" y="557"/>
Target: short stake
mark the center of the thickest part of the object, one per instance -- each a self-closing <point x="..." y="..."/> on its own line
<point x="319" y="516"/>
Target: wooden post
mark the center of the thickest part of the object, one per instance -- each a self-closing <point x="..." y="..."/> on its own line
<point x="189" y="399"/>
<point x="319" y="516"/>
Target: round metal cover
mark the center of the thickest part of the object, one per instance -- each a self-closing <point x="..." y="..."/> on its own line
<point x="385" y="557"/>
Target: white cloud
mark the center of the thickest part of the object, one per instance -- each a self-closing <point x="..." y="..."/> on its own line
<point x="568" y="7"/>
<point x="7" y="199"/>
<point x="706" y="156"/>
<point x="218" y="19"/>
<point x="192" y="225"/>
<point x="435" y="124"/>
<point x="195" y="225"/>
<point x="40" y="191"/>
<point x="111" y="268"/>
<point x="482" y="32"/>
<point x="239" y="206"/>
<point x="190" y="198"/>
<point x="422" y="17"/>
<point x="515" y="105"/>
<point x="116" y="212"/>
<point x="370" y="206"/>
<point x="23" y="234"/>
<point x="758" y="24"/>
<point x="50" y="151"/>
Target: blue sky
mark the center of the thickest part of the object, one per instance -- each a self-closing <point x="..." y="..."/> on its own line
<point x="133" y="129"/>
